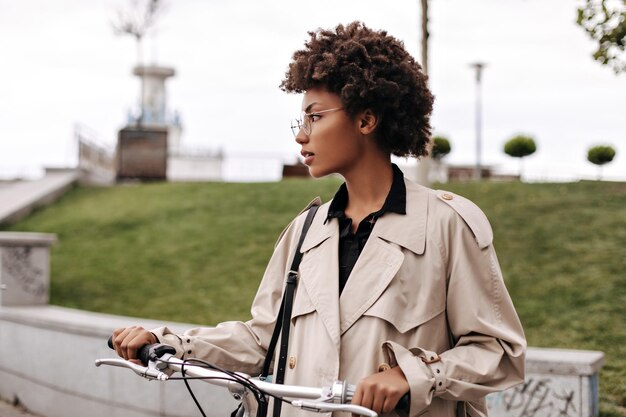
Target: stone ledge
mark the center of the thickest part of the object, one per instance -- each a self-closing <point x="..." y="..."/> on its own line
<point x="563" y="361"/>
<point x="79" y="322"/>
<point x="27" y="239"/>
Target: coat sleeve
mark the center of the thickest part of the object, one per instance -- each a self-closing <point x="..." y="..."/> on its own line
<point x="242" y="346"/>
<point x="487" y="339"/>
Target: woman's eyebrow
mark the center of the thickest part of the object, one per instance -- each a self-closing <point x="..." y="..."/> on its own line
<point x="308" y="108"/>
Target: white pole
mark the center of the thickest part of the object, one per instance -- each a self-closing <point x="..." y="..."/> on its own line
<point x="478" y="170"/>
<point x="423" y="165"/>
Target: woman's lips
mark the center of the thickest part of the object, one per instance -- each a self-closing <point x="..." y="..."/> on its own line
<point x="308" y="157"/>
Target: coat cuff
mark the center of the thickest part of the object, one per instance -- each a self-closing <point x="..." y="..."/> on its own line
<point x="167" y="337"/>
<point x="423" y="370"/>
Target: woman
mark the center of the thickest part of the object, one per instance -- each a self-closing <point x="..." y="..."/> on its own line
<point x="399" y="286"/>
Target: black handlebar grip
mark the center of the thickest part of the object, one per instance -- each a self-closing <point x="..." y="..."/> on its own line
<point x="143" y="353"/>
<point x="402" y="408"/>
<point x="147" y="352"/>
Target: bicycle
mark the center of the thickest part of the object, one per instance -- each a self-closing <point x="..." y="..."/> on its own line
<point x="159" y="363"/>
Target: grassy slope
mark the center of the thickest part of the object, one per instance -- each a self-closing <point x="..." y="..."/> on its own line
<point x="195" y="253"/>
<point x="184" y="252"/>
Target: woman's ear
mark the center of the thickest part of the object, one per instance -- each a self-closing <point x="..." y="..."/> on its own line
<point x="367" y="122"/>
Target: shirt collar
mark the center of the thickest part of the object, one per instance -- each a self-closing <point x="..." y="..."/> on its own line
<point x="395" y="201"/>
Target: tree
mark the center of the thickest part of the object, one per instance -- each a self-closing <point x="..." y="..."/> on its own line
<point x="600" y="155"/>
<point x="137" y="20"/>
<point x="520" y="146"/>
<point x="441" y="147"/>
<point x="605" y="22"/>
<point x="438" y="172"/>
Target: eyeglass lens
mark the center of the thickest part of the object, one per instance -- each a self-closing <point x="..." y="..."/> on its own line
<point x="303" y="123"/>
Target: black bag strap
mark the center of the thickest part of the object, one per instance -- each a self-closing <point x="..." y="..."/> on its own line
<point x="286" y="303"/>
<point x="283" y="320"/>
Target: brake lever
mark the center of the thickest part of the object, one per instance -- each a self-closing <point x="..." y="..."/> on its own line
<point x="143" y="371"/>
<point x="321" y="407"/>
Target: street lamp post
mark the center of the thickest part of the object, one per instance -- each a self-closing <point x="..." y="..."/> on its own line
<point x="478" y="66"/>
<point x="423" y="165"/>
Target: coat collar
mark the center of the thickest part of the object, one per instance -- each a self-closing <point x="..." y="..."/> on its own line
<point x="319" y="231"/>
<point x="408" y="230"/>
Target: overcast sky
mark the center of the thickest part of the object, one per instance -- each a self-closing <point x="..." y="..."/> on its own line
<point x="61" y="64"/>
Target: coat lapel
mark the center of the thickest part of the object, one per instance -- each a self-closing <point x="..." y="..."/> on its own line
<point x="382" y="255"/>
<point x="378" y="263"/>
<point x="319" y="271"/>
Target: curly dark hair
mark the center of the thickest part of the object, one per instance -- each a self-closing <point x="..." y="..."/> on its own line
<point x="369" y="70"/>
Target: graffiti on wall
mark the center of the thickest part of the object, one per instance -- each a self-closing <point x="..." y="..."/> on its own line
<point x="538" y="397"/>
<point x="17" y="263"/>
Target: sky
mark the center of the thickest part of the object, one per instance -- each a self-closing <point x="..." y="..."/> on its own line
<point x="62" y="66"/>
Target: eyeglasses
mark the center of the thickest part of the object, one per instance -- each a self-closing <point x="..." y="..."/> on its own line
<point x="306" y="120"/>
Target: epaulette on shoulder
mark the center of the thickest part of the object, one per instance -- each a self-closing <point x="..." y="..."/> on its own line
<point x="317" y="201"/>
<point x="471" y="214"/>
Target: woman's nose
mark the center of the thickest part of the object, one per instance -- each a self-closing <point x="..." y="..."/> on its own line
<point x="301" y="137"/>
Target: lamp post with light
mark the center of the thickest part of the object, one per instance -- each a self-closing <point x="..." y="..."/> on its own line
<point x="478" y="66"/>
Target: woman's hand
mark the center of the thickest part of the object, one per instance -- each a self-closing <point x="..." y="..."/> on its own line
<point x="126" y="341"/>
<point x="382" y="391"/>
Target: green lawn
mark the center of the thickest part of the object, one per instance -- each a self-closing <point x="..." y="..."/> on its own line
<point x="196" y="252"/>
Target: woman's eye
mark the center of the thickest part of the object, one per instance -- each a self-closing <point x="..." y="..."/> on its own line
<point x="314" y="117"/>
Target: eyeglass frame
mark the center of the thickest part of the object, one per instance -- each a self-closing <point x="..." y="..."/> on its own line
<point x="301" y="124"/>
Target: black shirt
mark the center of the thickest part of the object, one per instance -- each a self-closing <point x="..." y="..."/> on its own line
<point x="351" y="244"/>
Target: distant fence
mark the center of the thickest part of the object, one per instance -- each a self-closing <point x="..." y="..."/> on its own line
<point x="95" y="160"/>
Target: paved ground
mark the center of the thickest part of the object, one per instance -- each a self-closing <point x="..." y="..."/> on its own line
<point x="8" y="410"/>
<point x="19" y="198"/>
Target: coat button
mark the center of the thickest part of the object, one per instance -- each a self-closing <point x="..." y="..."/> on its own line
<point x="383" y="367"/>
<point x="292" y="362"/>
<point x="447" y="196"/>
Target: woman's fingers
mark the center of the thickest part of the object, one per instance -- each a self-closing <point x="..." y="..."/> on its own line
<point x="128" y="340"/>
<point x="382" y="391"/>
<point x="118" y="338"/>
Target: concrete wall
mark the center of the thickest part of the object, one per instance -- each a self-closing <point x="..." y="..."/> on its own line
<point x="47" y="364"/>
<point x="559" y="383"/>
<point x="47" y="358"/>
<point x="194" y="168"/>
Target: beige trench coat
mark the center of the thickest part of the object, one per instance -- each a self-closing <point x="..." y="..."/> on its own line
<point x="420" y="277"/>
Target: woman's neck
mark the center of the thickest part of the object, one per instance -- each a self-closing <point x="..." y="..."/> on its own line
<point x="368" y="185"/>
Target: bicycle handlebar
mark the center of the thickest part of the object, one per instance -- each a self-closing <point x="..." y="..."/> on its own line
<point x="146" y="353"/>
<point x="159" y="358"/>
